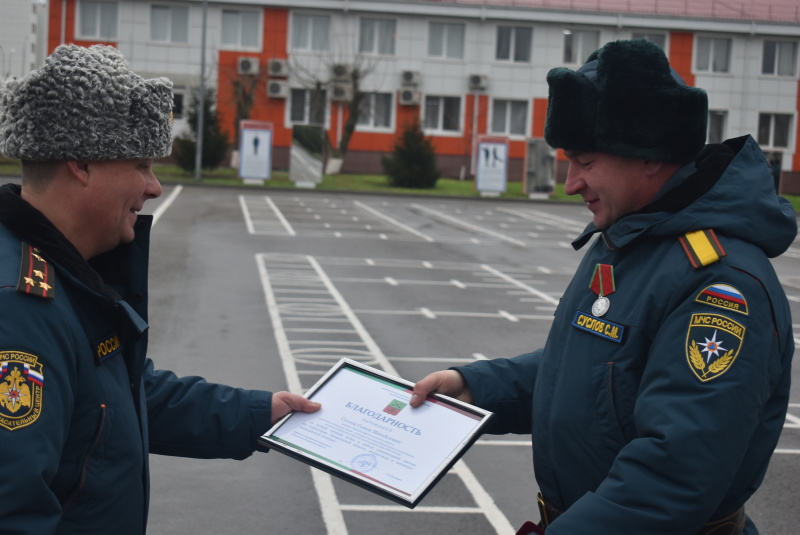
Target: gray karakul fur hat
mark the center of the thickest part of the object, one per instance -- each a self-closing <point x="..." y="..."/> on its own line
<point x="85" y="104"/>
<point x="627" y="101"/>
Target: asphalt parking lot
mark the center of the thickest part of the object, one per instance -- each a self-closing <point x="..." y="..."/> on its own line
<point x="267" y="289"/>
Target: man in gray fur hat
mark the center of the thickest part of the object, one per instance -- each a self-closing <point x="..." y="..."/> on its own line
<point x="662" y="389"/>
<point x="73" y="307"/>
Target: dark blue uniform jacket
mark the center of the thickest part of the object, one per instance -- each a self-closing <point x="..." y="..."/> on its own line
<point x="81" y="407"/>
<point x="662" y="413"/>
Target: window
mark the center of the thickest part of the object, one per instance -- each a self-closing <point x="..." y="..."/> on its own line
<point x="308" y="106"/>
<point x="713" y="54"/>
<point x="177" y="103"/>
<point x="658" y="38"/>
<point x="509" y="117"/>
<point x="779" y="58"/>
<point x="443" y="113"/>
<point x="97" y="20"/>
<point x="376" y="110"/>
<point x="773" y="130"/>
<point x="169" y="24"/>
<point x="240" y="29"/>
<point x="513" y="44"/>
<point x="310" y="32"/>
<point x="377" y="37"/>
<point x="716" y="125"/>
<point x="579" y="45"/>
<point x="446" y="40"/>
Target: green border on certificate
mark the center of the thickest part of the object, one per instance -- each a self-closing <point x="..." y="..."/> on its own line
<point x="367" y="433"/>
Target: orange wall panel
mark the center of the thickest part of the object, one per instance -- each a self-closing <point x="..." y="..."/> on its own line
<point x="539" y="117"/>
<point x="275" y="24"/>
<point x="680" y="55"/>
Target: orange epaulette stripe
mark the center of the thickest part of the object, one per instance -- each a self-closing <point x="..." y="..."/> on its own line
<point x="702" y="247"/>
<point x="35" y="277"/>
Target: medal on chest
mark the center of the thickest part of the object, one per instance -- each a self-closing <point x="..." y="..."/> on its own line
<point x="603" y="285"/>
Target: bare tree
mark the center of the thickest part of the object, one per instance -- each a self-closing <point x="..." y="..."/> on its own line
<point x="336" y="76"/>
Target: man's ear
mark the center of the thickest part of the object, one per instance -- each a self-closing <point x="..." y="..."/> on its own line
<point x="79" y="169"/>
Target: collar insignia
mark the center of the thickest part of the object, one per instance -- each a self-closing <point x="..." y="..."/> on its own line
<point x="21" y="383"/>
<point x="713" y="342"/>
<point x="35" y="274"/>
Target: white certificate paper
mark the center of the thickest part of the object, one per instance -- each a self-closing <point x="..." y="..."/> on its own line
<point x="367" y="433"/>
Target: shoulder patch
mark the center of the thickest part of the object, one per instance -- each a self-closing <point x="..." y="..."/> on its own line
<point x="21" y="383"/>
<point x="702" y="247"/>
<point x="713" y="342"/>
<point x="723" y="296"/>
<point x="35" y="277"/>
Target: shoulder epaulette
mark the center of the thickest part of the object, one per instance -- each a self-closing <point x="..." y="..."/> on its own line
<point x="35" y="275"/>
<point x="702" y="247"/>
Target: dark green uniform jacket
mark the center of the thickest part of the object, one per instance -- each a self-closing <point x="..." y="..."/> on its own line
<point x="81" y="407"/>
<point x="662" y="413"/>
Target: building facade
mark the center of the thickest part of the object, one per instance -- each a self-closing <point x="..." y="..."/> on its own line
<point x="23" y="29"/>
<point x="463" y="69"/>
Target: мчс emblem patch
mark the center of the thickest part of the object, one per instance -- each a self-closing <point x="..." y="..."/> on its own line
<point x="713" y="342"/>
<point x="21" y="383"/>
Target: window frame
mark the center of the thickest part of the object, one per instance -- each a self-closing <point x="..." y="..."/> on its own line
<point x="244" y="14"/>
<point x="97" y="36"/>
<point x="578" y="48"/>
<point x="776" y="63"/>
<point x="170" y="26"/>
<point x="307" y="111"/>
<point x="723" y="127"/>
<point x="772" y="127"/>
<point x="445" y="39"/>
<point x="369" y="99"/>
<point x="513" y="45"/>
<point x="311" y="32"/>
<point x="439" y="130"/>
<point x="508" y="113"/>
<point x="712" y="53"/>
<point x="375" y="49"/>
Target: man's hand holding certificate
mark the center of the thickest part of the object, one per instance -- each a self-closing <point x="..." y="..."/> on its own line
<point x="367" y="433"/>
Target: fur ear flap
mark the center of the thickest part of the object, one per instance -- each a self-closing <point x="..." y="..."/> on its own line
<point x="571" y="110"/>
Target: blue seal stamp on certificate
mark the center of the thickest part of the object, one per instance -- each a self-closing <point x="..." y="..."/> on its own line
<point x="364" y="463"/>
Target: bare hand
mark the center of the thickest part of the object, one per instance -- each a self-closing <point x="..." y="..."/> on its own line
<point x="447" y="382"/>
<point x="285" y="402"/>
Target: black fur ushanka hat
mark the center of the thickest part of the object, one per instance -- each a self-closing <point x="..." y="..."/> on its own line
<point x="627" y="101"/>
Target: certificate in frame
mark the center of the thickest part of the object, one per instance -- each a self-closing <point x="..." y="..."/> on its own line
<point x="367" y="434"/>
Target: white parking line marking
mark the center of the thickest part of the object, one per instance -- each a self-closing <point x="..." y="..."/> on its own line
<point x="393" y="221"/>
<point x="468" y="225"/>
<point x="166" y="203"/>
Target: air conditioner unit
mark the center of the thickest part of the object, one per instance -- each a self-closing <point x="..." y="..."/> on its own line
<point x="409" y="97"/>
<point x="341" y="72"/>
<point x="341" y="92"/>
<point x="410" y="78"/>
<point x="247" y="65"/>
<point x="478" y="82"/>
<point x="278" y="68"/>
<point x="278" y="88"/>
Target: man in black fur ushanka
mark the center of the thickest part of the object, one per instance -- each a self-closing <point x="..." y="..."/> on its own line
<point x="81" y="405"/>
<point x="661" y="392"/>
